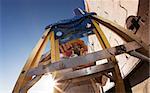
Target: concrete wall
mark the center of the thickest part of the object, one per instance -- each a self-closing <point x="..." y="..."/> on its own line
<point x="116" y="11"/>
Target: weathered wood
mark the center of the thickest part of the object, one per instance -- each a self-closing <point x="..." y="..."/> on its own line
<point x="55" y="53"/>
<point x="119" y="84"/>
<point x="86" y="71"/>
<point x="66" y="84"/>
<point x="88" y="77"/>
<point x="95" y="87"/>
<point x="55" y="56"/>
<point x="140" y="56"/>
<point x="32" y="61"/>
<point x="122" y="32"/>
<point x="81" y="60"/>
<point x="29" y="84"/>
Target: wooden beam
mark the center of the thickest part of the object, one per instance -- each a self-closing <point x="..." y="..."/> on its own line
<point x="86" y="72"/>
<point x="95" y="87"/>
<point x="66" y="84"/>
<point x="81" y="60"/>
<point x="74" y="84"/>
<point x="55" y="55"/>
<point x="29" y="84"/>
<point x="140" y="56"/>
<point x="32" y="61"/>
<point x="88" y="77"/>
<point x="125" y="34"/>
<point x="119" y="84"/>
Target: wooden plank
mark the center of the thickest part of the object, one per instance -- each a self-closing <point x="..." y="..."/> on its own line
<point x="88" y="77"/>
<point x="29" y="84"/>
<point x="57" y="52"/>
<point x="55" y="55"/>
<point x="86" y="71"/>
<point x="65" y="85"/>
<point x="95" y="87"/>
<point x="32" y="61"/>
<point x="140" y="56"/>
<point x="74" y="84"/>
<point x="82" y="60"/>
<point x="119" y="84"/>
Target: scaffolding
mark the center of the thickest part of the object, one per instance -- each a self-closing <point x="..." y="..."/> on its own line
<point x="83" y="66"/>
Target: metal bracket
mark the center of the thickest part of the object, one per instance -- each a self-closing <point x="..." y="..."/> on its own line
<point x="120" y="49"/>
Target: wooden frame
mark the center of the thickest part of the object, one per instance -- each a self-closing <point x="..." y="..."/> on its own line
<point x="105" y="44"/>
<point x="86" y="72"/>
<point x="81" y="60"/>
<point x="125" y="34"/>
<point x="32" y="62"/>
<point x="32" y="67"/>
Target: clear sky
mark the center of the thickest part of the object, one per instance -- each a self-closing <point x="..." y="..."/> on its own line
<point x="22" y="23"/>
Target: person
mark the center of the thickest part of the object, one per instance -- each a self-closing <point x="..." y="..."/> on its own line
<point x="73" y="48"/>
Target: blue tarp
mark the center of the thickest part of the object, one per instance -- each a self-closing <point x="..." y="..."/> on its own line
<point x="70" y="29"/>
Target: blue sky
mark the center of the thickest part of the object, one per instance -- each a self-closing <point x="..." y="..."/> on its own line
<point x="22" y="23"/>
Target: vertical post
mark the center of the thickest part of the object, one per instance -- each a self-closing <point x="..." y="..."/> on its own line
<point x="95" y="87"/>
<point x="119" y="84"/>
<point x="55" y="54"/>
<point x="128" y="85"/>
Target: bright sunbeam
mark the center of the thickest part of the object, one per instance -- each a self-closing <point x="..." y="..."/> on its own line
<point x="45" y="85"/>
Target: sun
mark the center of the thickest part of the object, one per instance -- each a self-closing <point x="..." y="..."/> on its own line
<point x="45" y="85"/>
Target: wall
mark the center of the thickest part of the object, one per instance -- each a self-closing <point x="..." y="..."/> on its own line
<point x="117" y="11"/>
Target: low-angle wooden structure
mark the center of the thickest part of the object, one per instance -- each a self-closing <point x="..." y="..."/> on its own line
<point x="82" y="69"/>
